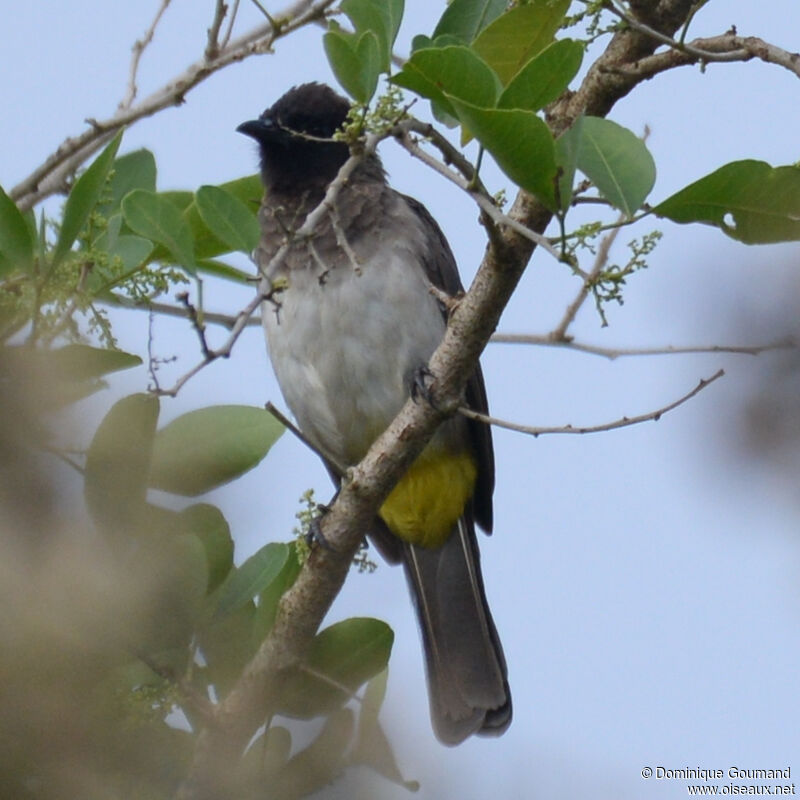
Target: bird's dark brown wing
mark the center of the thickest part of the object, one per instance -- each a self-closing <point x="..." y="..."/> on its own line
<point x="440" y="268"/>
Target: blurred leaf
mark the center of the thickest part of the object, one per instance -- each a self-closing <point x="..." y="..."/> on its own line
<point x="227" y="646"/>
<point x="269" y="597"/>
<point x="155" y="217"/>
<point x="617" y="161"/>
<point x="118" y="463"/>
<point x="205" y="448"/>
<point x="443" y="73"/>
<point x="174" y="570"/>
<point x="521" y="144"/>
<point x="318" y="764"/>
<point x="372" y="748"/>
<point x="544" y="77"/>
<point x="749" y="200"/>
<point x="208" y="524"/>
<point x="83" y="198"/>
<point x="355" y="61"/>
<point x="518" y="35"/>
<point x="465" y="19"/>
<point x="252" y="578"/>
<point x="567" y="146"/>
<point x="348" y="654"/>
<point x="228" y="218"/>
<point x="79" y="362"/>
<point x="265" y="757"/>
<point x="16" y="243"/>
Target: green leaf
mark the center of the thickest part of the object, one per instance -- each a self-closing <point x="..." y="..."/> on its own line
<point x="118" y="462"/>
<point x="521" y="144"/>
<point x="228" y="218"/>
<point x="155" y="217"/>
<point x="518" y="35"/>
<point x="249" y="190"/>
<point x="465" y="19"/>
<point x="421" y="41"/>
<point x="749" y="200"/>
<point x="567" y="146"/>
<point x="135" y="170"/>
<point x="617" y="161"/>
<point x="252" y="578"/>
<point x="382" y="17"/>
<point x="83" y="198"/>
<point x="181" y="198"/>
<point x="270" y="597"/>
<point x="544" y="77"/>
<point x="211" y="446"/>
<point x="208" y="524"/>
<point x="356" y="62"/>
<point x="16" y="243"/>
<point x="348" y="653"/>
<point x="454" y="71"/>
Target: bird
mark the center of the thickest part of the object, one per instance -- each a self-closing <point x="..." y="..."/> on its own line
<point x="351" y="322"/>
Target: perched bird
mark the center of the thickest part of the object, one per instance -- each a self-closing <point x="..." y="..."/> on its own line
<point x="349" y="331"/>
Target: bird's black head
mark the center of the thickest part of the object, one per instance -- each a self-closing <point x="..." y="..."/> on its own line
<point x="295" y="138"/>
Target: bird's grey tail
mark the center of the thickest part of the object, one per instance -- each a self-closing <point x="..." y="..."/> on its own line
<point x="467" y="678"/>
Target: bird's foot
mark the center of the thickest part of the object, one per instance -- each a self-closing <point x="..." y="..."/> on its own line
<point x="421" y="382"/>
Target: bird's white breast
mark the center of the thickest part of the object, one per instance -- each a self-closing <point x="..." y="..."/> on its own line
<point x="345" y="348"/>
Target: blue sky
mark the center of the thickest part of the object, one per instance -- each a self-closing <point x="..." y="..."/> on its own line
<point x="644" y="581"/>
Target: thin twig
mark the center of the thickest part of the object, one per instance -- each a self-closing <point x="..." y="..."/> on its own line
<point x="139" y="46"/>
<point x="223" y="352"/>
<point x="341" y="239"/>
<point x="212" y="43"/>
<point x="624" y="422"/>
<point x="197" y="324"/>
<point x="613" y="353"/>
<point x="231" y="20"/>
<point x="290" y="426"/>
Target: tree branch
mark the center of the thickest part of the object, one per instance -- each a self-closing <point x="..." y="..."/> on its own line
<point x="52" y="176"/>
<point x="366" y="485"/>
<point x="139" y="46"/>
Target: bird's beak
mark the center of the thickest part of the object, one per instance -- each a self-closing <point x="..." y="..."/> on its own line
<point x="259" y="129"/>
